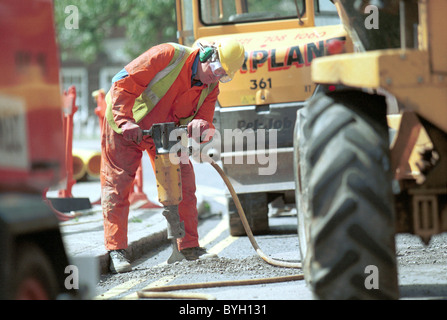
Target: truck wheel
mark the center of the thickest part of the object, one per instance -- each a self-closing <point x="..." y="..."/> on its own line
<point x="34" y="278"/>
<point x="255" y="206"/>
<point x="351" y="243"/>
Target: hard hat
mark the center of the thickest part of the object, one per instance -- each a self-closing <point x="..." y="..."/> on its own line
<point x="231" y="55"/>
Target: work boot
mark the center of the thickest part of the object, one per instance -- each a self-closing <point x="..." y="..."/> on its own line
<point x="197" y="253"/>
<point x="119" y="262"/>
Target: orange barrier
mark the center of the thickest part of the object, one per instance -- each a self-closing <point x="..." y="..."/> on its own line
<point x="65" y="201"/>
<point x="101" y="105"/>
<point x="70" y="108"/>
<point x="137" y="198"/>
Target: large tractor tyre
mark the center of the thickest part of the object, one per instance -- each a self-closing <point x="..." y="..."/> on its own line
<point x="34" y="277"/>
<point x="255" y="206"/>
<point x="352" y="230"/>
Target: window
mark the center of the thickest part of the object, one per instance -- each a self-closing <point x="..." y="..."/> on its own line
<point x="77" y="77"/>
<point x="326" y="13"/>
<point x="220" y="11"/>
<point x="105" y="77"/>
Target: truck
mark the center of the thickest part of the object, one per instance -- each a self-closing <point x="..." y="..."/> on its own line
<point x="32" y="153"/>
<point x="256" y="111"/>
<point x="370" y="156"/>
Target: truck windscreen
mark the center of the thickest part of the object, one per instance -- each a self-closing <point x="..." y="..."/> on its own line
<point x="239" y="11"/>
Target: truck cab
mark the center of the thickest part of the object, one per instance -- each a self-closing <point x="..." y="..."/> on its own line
<point x="256" y="111"/>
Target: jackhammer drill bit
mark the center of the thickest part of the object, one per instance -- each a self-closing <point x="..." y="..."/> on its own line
<point x="175" y="230"/>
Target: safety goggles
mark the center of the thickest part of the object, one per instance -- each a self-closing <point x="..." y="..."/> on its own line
<point x="219" y="72"/>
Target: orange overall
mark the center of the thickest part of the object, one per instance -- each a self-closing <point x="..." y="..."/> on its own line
<point x="121" y="158"/>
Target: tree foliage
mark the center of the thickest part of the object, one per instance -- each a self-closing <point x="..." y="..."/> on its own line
<point x="146" y="23"/>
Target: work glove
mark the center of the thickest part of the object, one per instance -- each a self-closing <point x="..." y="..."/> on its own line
<point x="200" y="130"/>
<point x="132" y="132"/>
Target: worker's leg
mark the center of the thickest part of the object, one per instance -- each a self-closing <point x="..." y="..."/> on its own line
<point x="188" y="207"/>
<point x="120" y="161"/>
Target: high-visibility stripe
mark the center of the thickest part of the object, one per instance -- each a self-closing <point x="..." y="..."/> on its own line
<point x="158" y="88"/>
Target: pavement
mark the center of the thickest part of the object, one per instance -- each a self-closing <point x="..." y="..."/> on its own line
<point x="83" y="235"/>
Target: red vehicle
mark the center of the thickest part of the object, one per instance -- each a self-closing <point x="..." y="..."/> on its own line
<point x="32" y="152"/>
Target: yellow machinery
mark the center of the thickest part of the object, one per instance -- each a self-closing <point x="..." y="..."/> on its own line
<point x="357" y="184"/>
<point x="255" y="112"/>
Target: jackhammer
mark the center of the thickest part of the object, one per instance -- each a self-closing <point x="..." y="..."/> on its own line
<point x="168" y="176"/>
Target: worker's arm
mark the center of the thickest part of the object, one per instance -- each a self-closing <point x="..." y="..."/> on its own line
<point x="201" y="128"/>
<point x="139" y="74"/>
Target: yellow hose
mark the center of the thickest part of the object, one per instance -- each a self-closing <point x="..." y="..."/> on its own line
<point x="161" y="292"/>
<point x="91" y="159"/>
<point x="247" y="228"/>
<point x="79" y="169"/>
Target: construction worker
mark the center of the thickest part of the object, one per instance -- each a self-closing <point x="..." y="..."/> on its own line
<point x="167" y="83"/>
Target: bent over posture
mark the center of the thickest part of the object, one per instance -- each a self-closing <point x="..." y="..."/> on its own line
<point x="167" y="83"/>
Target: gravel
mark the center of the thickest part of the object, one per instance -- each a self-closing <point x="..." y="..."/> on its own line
<point x="410" y="250"/>
<point x="208" y="269"/>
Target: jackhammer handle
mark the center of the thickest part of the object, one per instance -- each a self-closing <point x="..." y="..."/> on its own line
<point x="149" y="132"/>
